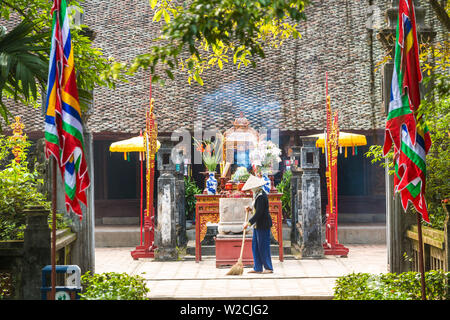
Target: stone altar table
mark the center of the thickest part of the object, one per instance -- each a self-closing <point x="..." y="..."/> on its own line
<point x="229" y="237"/>
<point x="207" y="210"/>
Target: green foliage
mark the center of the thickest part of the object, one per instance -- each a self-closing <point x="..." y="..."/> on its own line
<point x="24" y="55"/>
<point x="113" y="286"/>
<point x="22" y="64"/>
<point x="436" y="113"/>
<point x="284" y="187"/>
<point x="201" y="34"/>
<point x="190" y="190"/>
<point x="376" y="153"/>
<point x="18" y="188"/>
<point x="392" y="286"/>
<point x="62" y="221"/>
<point x="211" y="151"/>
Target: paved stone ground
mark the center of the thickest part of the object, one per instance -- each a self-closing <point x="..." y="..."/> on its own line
<point x="292" y="279"/>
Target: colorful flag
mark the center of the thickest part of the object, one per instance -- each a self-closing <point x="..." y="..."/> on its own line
<point x="412" y="171"/>
<point x="412" y="75"/>
<point x="63" y="124"/>
<point x="400" y="110"/>
<point x="411" y="141"/>
<point x="411" y="193"/>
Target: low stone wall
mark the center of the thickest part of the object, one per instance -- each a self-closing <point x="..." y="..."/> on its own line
<point x="21" y="261"/>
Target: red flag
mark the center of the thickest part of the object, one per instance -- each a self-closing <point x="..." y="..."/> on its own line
<point x="410" y="52"/>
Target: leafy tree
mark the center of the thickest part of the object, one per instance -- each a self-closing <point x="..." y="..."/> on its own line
<point x="24" y="54"/>
<point x="442" y="12"/>
<point x="22" y="64"/>
<point x="18" y="188"/>
<point x="202" y="34"/>
<point x="435" y="109"/>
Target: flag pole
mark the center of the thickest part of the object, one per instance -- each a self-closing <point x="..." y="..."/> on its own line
<point x="54" y="195"/>
<point x="421" y="268"/>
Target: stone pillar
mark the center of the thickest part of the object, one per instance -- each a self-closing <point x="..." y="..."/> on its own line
<point x="311" y="218"/>
<point x="181" y="208"/>
<point x="170" y="159"/>
<point x="398" y="223"/>
<point x="83" y="252"/>
<point x="165" y="235"/>
<point x="296" y="197"/>
<point x="37" y="251"/>
<point x="166" y="231"/>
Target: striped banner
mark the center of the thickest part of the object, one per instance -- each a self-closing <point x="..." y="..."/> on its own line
<point x="399" y="111"/>
<point x="412" y="171"/>
<point x="63" y="123"/>
<point x="410" y="139"/>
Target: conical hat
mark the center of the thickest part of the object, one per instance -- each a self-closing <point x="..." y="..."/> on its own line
<point x="253" y="182"/>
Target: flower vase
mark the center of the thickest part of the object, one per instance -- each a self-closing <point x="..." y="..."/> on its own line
<point x="268" y="184"/>
<point x="211" y="184"/>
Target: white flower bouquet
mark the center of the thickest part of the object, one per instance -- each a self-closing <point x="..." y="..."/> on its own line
<point x="240" y="175"/>
<point x="265" y="155"/>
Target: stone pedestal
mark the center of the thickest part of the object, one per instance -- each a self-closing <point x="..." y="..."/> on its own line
<point x="229" y="237"/>
<point x="311" y="219"/>
<point x="169" y="161"/>
<point x="37" y="251"/>
<point x="165" y="235"/>
<point x="84" y="247"/>
<point x="232" y="214"/>
<point x="296" y="198"/>
<point x="180" y="210"/>
<point x="228" y="249"/>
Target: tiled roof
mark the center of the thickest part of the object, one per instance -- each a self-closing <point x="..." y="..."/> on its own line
<point x="285" y="91"/>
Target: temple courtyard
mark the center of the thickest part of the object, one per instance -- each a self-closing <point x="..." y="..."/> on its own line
<point x="293" y="279"/>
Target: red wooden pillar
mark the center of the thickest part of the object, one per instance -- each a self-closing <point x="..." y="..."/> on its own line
<point x="331" y="143"/>
<point x="150" y="141"/>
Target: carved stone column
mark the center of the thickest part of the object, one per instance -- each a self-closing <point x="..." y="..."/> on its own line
<point x="166" y="232"/>
<point x="311" y="218"/>
<point x="37" y="251"/>
<point x="296" y="198"/>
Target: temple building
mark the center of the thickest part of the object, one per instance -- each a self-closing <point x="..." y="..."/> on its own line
<point x="284" y="96"/>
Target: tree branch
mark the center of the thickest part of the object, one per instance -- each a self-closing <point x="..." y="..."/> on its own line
<point x="18" y="10"/>
<point x="440" y="13"/>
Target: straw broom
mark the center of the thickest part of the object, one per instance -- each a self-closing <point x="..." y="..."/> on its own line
<point x="238" y="268"/>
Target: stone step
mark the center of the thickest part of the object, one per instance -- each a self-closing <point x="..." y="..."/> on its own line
<point x="374" y="233"/>
<point x="116" y="236"/>
<point x="129" y="235"/>
<point x="210" y="250"/>
<point x="370" y="233"/>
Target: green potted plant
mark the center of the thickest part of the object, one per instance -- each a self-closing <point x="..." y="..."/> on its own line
<point x="240" y="176"/>
<point x="190" y="190"/>
<point x="18" y="187"/>
<point x="284" y="187"/>
<point x="211" y="154"/>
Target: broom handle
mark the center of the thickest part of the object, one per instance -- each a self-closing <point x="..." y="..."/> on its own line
<point x="243" y="236"/>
